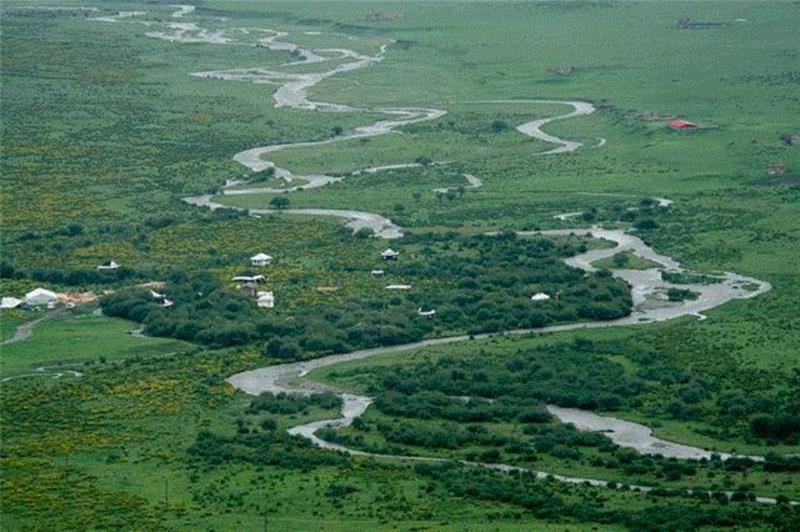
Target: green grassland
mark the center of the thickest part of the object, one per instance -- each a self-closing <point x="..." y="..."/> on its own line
<point x="104" y="131"/>
<point x="76" y="338"/>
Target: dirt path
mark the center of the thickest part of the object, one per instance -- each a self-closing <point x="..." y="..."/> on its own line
<point x="55" y="372"/>
<point x="26" y="329"/>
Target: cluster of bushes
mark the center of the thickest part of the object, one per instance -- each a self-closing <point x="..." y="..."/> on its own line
<point x="292" y="404"/>
<point x="442" y="435"/>
<point x="680" y="294"/>
<point x="263" y="448"/>
<point x="558" y="374"/>
<point x="476" y="284"/>
<point x="551" y="436"/>
<point x="784" y="427"/>
<point x="546" y="500"/>
<point x="688" y="278"/>
<point x="587" y="375"/>
<point x="428" y="405"/>
<point x="76" y="277"/>
<point x="489" y="281"/>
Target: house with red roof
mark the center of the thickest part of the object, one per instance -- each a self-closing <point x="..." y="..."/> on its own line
<point x="682" y="124"/>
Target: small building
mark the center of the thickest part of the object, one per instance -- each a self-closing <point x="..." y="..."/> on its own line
<point x="249" y="278"/>
<point x="10" y="302"/>
<point x="682" y="124"/>
<point x="108" y="266"/>
<point x="266" y="300"/>
<point x="377" y="272"/>
<point x="156" y="295"/>
<point x="261" y="259"/>
<point x="426" y="313"/>
<point x="41" y="297"/>
<point x="390" y="254"/>
<point x="398" y="287"/>
<point x="540" y="296"/>
<point x="167" y="303"/>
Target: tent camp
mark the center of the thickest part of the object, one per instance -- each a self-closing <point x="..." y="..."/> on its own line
<point x="41" y="297"/>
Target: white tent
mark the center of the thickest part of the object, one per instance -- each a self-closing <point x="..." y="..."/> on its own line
<point x="398" y="287"/>
<point x="110" y="265"/>
<point x="265" y="300"/>
<point x="261" y="259"/>
<point x="540" y="296"/>
<point x="41" y="297"/>
<point x="249" y="278"/>
<point x="390" y="254"/>
<point x="10" y="302"/>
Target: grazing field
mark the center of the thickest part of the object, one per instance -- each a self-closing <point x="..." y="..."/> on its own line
<point x="456" y="125"/>
<point x="75" y="339"/>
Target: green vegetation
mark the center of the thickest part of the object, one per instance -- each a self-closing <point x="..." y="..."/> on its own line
<point x="727" y="407"/>
<point x="78" y="338"/>
<point x="679" y="294"/>
<point x="626" y="260"/>
<point x="688" y="278"/>
<point x="476" y="284"/>
<point x="105" y="131"/>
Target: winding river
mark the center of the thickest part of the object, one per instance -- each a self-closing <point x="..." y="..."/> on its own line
<point x="292" y="91"/>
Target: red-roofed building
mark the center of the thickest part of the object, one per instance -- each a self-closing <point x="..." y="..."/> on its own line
<point x="682" y="124"/>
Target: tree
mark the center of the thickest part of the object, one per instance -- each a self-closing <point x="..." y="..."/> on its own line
<point x="646" y="223"/>
<point x="621" y="259"/>
<point x="279" y="202"/>
<point x="364" y="232"/>
<point x="74" y="229"/>
<point x="498" y="126"/>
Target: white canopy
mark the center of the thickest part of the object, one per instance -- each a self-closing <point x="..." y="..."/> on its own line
<point x="10" y="302"/>
<point x="540" y="296"/>
<point x="40" y="296"/>
<point x="398" y="287"/>
<point x="249" y="278"/>
<point x="110" y="265"/>
<point x="265" y="300"/>
<point x="261" y="259"/>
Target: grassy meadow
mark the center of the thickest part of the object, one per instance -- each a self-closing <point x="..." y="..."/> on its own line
<point x="104" y="131"/>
